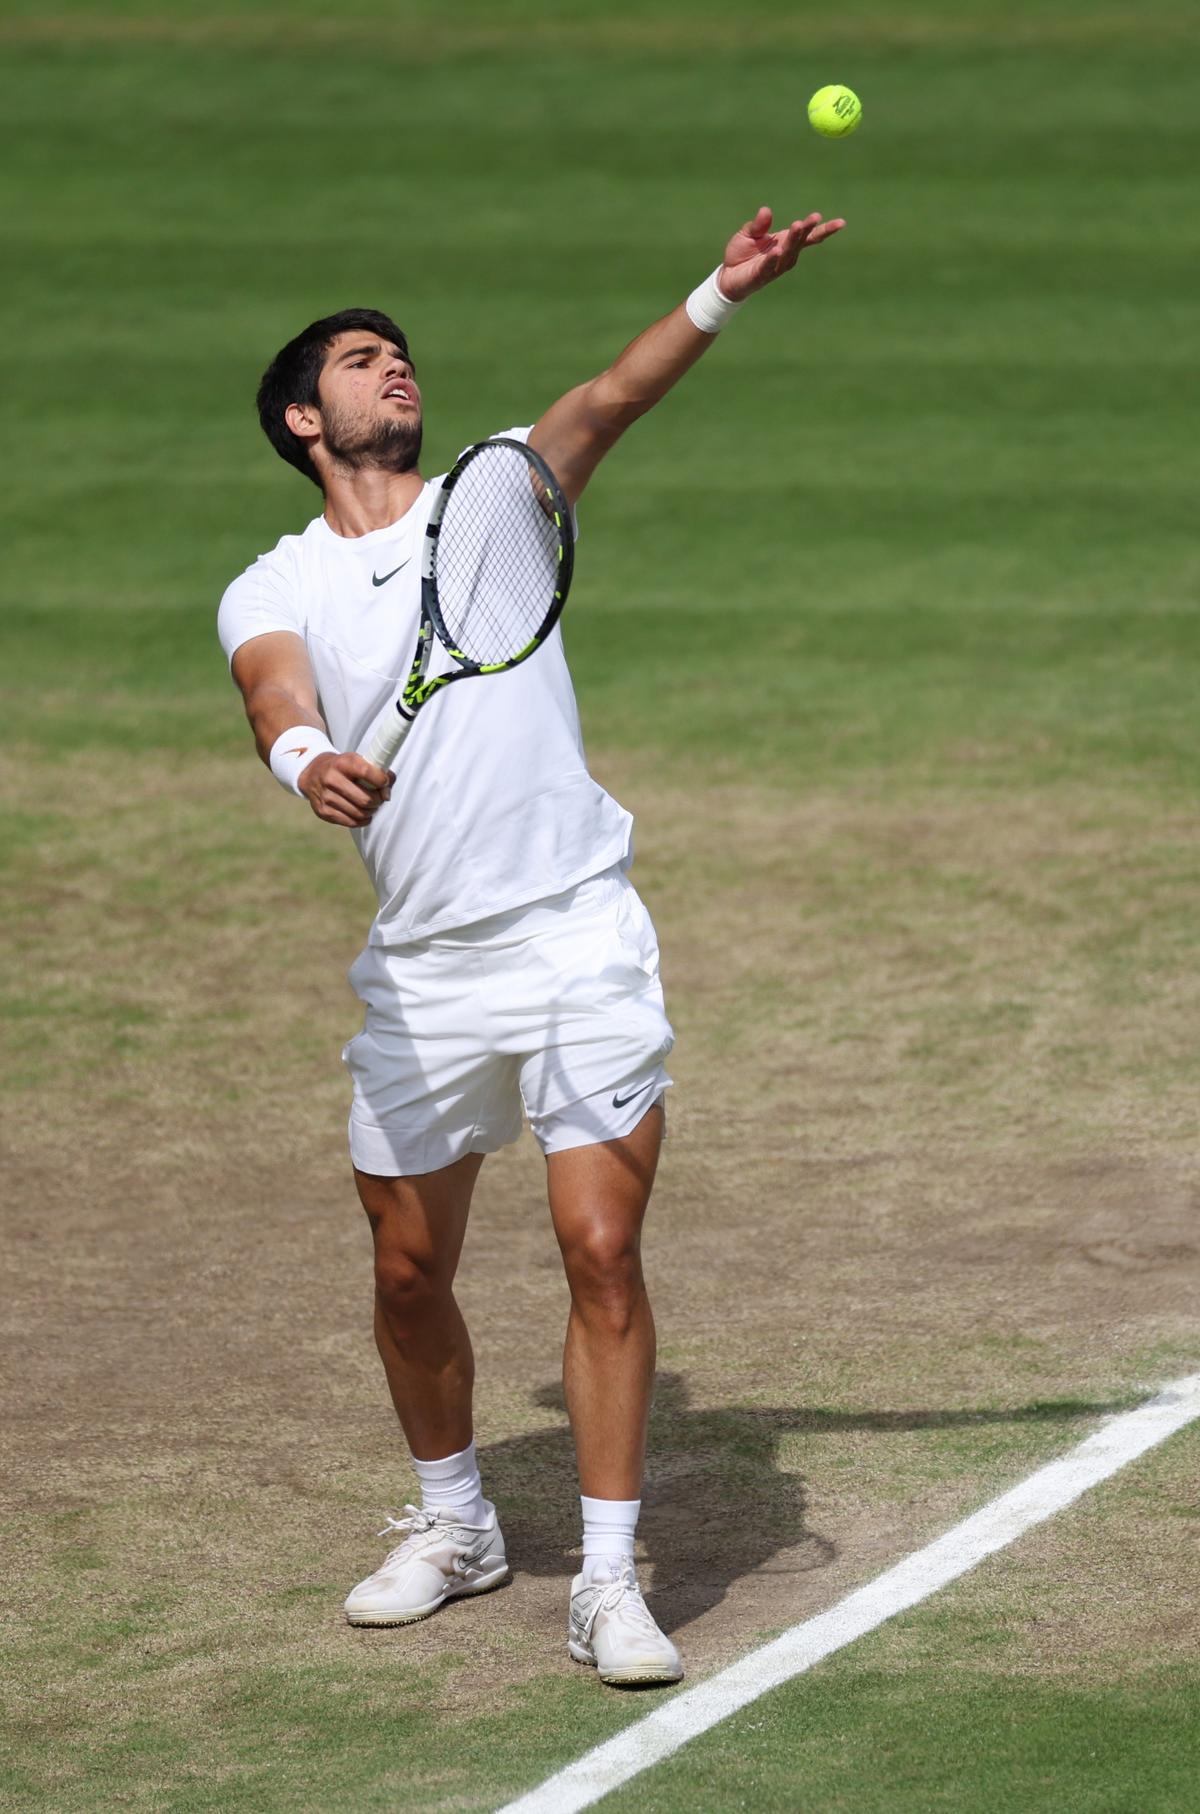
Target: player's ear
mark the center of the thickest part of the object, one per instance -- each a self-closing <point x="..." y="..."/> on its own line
<point x="303" y="419"/>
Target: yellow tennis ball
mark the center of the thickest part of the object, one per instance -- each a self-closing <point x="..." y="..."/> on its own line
<point x="834" y="111"/>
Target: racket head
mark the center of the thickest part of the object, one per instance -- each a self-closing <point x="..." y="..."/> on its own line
<point x="498" y="556"/>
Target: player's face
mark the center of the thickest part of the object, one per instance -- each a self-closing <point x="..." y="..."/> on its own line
<point x="370" y="404"/>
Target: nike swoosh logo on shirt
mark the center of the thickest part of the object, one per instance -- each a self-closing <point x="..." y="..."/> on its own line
<point x="620" y="1101"/>
<point x="376" y="581"/>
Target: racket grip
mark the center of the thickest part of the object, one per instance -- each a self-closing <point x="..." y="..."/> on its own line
<point x="388" y="737"/>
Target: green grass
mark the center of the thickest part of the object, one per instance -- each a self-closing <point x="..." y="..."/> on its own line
<point x="985" y="1699"/>
<point x="949" y="463"/>
<point x="919" y="536"/>
<point x="194" y="1685"/>
<point x="859" y="1740"/>
<point x="189" y="1674"/>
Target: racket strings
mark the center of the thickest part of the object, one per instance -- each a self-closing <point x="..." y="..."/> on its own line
<point x="498" y="558"/>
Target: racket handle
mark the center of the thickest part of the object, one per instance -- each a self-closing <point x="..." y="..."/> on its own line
<point x="388" y="737"/>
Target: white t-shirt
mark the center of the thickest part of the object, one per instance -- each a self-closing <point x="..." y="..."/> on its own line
<point x="493" y="806"/>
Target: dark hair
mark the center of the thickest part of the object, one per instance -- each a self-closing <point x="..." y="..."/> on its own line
<point x="293" y="374"/>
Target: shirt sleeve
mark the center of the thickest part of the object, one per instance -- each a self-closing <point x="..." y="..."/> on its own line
<point x="258" y="601"/>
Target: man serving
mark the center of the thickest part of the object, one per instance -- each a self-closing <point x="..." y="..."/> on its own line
<point x="511" y="966"/>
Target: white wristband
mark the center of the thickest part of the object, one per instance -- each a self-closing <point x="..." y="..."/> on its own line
<point x="292" y="753"/>
<point x="708" y="306"/>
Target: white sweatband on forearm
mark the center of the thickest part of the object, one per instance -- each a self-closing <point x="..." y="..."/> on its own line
<point x="708" y="306"/>
<point x="292" y="753"/>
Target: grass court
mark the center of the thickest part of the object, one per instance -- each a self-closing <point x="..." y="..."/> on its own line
<point x="884" y="625"/>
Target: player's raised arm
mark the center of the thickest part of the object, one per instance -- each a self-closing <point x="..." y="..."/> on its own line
<point x="280" y="695"/>
<point x="576" y="432"/>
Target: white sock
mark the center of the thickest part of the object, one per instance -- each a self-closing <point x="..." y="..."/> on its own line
<point x="608" y="1529"/>
<point x="452" y="1485"/>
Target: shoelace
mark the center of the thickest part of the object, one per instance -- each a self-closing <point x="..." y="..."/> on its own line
<point x="625" y="1596"/>
<point x="415" y="1523"/>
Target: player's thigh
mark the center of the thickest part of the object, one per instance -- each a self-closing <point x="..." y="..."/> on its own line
<point x="420" y="1221"/>
<point x="599" y="1193"/>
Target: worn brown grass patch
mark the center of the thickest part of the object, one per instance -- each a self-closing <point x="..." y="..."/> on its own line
<point x="928" y="1209"/>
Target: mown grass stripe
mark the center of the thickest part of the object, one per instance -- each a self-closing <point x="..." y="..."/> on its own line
<point x="1057" y="1485"/>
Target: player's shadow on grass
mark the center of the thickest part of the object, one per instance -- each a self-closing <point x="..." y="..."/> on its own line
<point x="717" y="1504"/>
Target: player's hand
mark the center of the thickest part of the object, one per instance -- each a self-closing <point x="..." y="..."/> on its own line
<point x="345" y="789"/>
<point x="755" y="256"/>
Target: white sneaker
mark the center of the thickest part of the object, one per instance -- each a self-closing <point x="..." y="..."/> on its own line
<point x="439" y="1559"/>
<point x="610" y="1625"/>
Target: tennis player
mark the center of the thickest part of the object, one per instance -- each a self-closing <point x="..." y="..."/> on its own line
<point x="511" y="965"/>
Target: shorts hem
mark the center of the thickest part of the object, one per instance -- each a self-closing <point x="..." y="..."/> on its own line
<point x="583" y="1127"/>
<point x="384" y="1155"/>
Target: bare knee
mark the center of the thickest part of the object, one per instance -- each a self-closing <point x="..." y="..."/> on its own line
<point x="604" y="1271"/>
<point x="408" y="1293"/>
<point x="417" y="1226"/>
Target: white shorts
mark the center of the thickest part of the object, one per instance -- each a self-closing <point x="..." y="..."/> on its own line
<point x="556" y="1007"/>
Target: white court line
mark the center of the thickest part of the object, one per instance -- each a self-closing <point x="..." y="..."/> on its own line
<point x="1119" y="1441"/>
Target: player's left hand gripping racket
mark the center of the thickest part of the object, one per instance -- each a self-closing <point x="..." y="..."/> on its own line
<point x="495" y="571"/>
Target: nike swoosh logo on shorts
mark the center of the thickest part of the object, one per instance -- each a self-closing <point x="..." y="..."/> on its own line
<point x="620" y="1101"/>
<point x="376" y="581"/>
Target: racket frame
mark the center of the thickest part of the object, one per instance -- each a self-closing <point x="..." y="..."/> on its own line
<point x="417" y="690"/>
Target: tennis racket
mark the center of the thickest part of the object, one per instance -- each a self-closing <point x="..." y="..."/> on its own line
<point x="496" y="567"/>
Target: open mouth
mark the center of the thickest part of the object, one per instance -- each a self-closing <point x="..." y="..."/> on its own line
<point x="397" y="392"/>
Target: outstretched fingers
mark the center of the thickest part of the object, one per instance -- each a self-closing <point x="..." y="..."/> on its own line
<point x="821" y="229"/>
<point x="756" y="256"/>
<point x="808" y="232"/>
